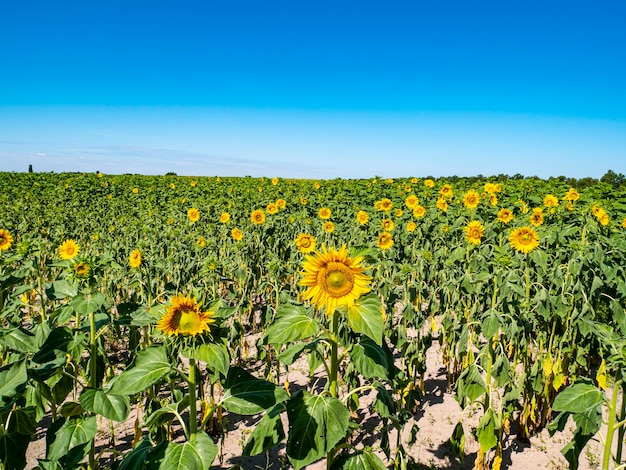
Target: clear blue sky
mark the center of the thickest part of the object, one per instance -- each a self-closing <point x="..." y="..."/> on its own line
<point x="315" y="89"/>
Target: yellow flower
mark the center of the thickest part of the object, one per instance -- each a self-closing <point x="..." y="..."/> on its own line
<point x="260" y="189"/>
<point x="184" y="317"/>
<point x="384" y="205"/>
<point x="411" y="201"/>
<point x="493" y="200"/>
<point x="281" y="203"/>
<point x="274" y="181"/>
<point x="624" y="223"/>
<point x="236" y="234"/>
<point x="329" y="227"/>
<point x="385" y="241"/>
<point x="571" y="195"/>
<point x="172" y="185"/>
<point x="304" y="201"/>
<point x="193" y="184"/>
<point x="471" y="199"/>
<point x="82" y="269"/>
<point x="225" y="217"/>
<point x="257" y="217"/>
<point x="317" y="185"/>
<point x="524" y="239"/>
<point x="201" y="242"/>
<point x="604" y="219"/>
<point x="305" y="243"/>
<point x="134" y="260"/>
<point x="474" y="231"/>
<point x="193" y="214"/>
<point x="446" y="191"/>
<point x="362" y="217"/>
<point x="411" y="226"/>
<point x="6" y="239"/>
<point x="536" y="218"/>
<point x="429" y="183"/>
<point x="388" y="225"/>
<point x="414" y="180"/>
<point x="135" y="190"/>
<point x="271" y="208"/>
<point x="550" y="201"/>
<point x="99" y="175"/>
<point x="324" y="213"/>
<point x="68" y="249"/>
<point x="491" y="188"/>
<point x="398" y="212"/>
<point x="442" y="205"/>
<point x="332" y="279"/>
<point x="505" y="216"/>
<point x="419" y="212"/>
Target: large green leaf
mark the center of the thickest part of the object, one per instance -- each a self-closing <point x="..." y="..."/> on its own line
<point x="470" y="385"/>
<point x="86" y="304"/>
<point x="316" y="425"/>
<point x="457" y="441"/>
<point x="197" y="453"/>
<point x="366" y="317"/>
<point x="578" y="398"/>
<point x="73" y="433"/>
<point x="61" y="289"/>
<point x="215" y="356"/>
<point x="487" y="431"/>
<point x="370" y="359"/>
<point x="248" y="395"/>
<point x="115" y="407"/>
<point x="150" y="366"/>
<point x="267" y="433"/>
<point x="291" y="324"/>
<point x="363" y="460"/>
<point x="13" y="446"/>
<point x="12" y="380"/>
<point x="21" y="341"/>
<point x="56" y="345"/>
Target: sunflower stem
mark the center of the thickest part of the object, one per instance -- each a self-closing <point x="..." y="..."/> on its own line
<point x="193" y="413"/>
<point x="93" y="351"/>
<point x="334" y="366"/>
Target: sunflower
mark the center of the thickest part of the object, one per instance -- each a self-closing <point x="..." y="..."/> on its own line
<point x="271" y="208"/>
<point x="68" y="249"/>
<point x="411" y="226"/>
<point x="362" y="217"/>
<point x="236" y="234"/>
<point x="446" y="191"/>
<point x="550" y="201"/>
<point x="324" y="213"/>
<point x="257" y="217"/>
<point x="419" y="212"/>
<point x="183" y="317"/>
<point x="193" y="184"/>
<point x="274" y="181"/>
<point x="333" y="278"/>
<point x="493" y="200"/>
<point x="624" y="223"/>
<point x="388" y="225"/>
<point x="82" y="269"/>
<point x="524" y="239"/>
<point x="329" y="227"/>
<point x="385" y="241"/>
<point x="304" y="201"/>
<point x="442" y="205"/>
<point x="490" y="188"/>
<point x="305" y="243"/>
<point x="317" y="185"/>
<point x="193" y="214"/>
<point x="411" y="201"/>
<point x="471" y="199"/>
<point x="571" y="195"/>
<point x="224" y="217"/>
<point x="281" y="203"/>
<point x="604" y="219"/>
<point x="172" y="185"/>
<point x="505" y="216"/>
<point x="6" y="239"/>
<point x="536" y="218"/>
<point x="134" y="260"/>
<point x="474" y="231"/>
<point x="429" y="183"/>
<point x="201" y="242"/>
<point x="414" y="181"/>
<point x="384" y="205"/>
<point x="135" y="190"/>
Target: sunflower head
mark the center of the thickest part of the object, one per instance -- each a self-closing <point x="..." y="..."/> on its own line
<point x="257" y="217"/>
<point x="281" y="203"/>
<point x="362" y="217"/>
<point x="474" y="232"/>
<point x="388" y="225"/>
<point x="384" y="205"/>
<point x="329" y="227"/>
<point x="201" y="241"/>
<point x="68" y="249"/>
<point x="82" y="270"/>
<point x="224" y="217"/>
<point x="324" y="213"/>
<point x="429" y="183"/>
<point x="6" y="239"/>
<point x="305" y="243"/>
<point x="446" y="191"/>
<point x="271" y="208"/>
<point x="442" y="204"/>
<point x="536" y="218"/>
<point x="505" y="216"/>
<point x="411" y="201"/>
<point x="193" y="214"/>
<point x="332" y="278"/>
<point x="184" y="317"/>
<point x="524" y="239"/>
<point x="411" y="226"/>
<point x="419" y="211"/>
<point x="550" y="201"/>
<point x="134" y="260"/>
<point x="471" y="199"/>
<point x="236" y="234"/>
<point x="385" y="241"/>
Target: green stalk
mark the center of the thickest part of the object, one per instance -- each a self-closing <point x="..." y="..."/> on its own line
<point x="193" y="412"/>
<point x="334" y="366"/>
<point x="622" y="429"/>
<point x="606" y="457"/>
<point x="93" y="351"/>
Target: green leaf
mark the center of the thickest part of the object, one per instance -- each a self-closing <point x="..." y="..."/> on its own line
<point x="115" y="407"/>
<point x="470" y="385"/>
<point x="317" y="424"/>
<point x="12" y="380"/>
<point x="63" y="289"/>
<point x="293" y="352"/>
<point x="215" y="356"/>
<point x="487" y="431"/>
<point x="13" y="446"/>
<point x="291" y="324"/>
<point x="55" y="346"/>
<point x="370" y="359"/>
<point x="267" y="433"/>
<point x="362" y="460"/>
<point x="150" y="366"/>
<point x="578" y="398"/>
<point x="490" y="324"/>
<point x="457" y="441"/>
<point x="86" y="304"/>
<point x="366" y="317"/>
<point x="197" y="453"/>
<point x="71" y="408"/>
<point x="73" y="433"/>
<point x="248" y="395"/>
<point x="21" y="341"/>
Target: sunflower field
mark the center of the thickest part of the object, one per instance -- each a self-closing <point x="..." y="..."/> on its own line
<point x="189" y="299"/>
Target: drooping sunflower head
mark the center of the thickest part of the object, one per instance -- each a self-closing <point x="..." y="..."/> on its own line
<point x="236" y="234"/>
<point x="257" y="217"/>
<point x="6" y="239"/>
<point x="193" y="214"/>
<point x="385" y="241"/>
<point x="184" y="317"/>
<point x="333" y="278"/>
<point x="305" y="243"/>
<point x="134" y="260"/>
<point x="505" y="216"/>
<point x="524" y="239"/>
<point x="474" y="232"/>
<point x="550" y="201"/>
<point x="362" y="217"/>
<point x="324" y="213"/>
<point x="471" y="199"/>
<point x="68" y="249"/>
<point x="224" y="217"/>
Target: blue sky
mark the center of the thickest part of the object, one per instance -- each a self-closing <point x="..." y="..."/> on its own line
<point x="314" y="89"/>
